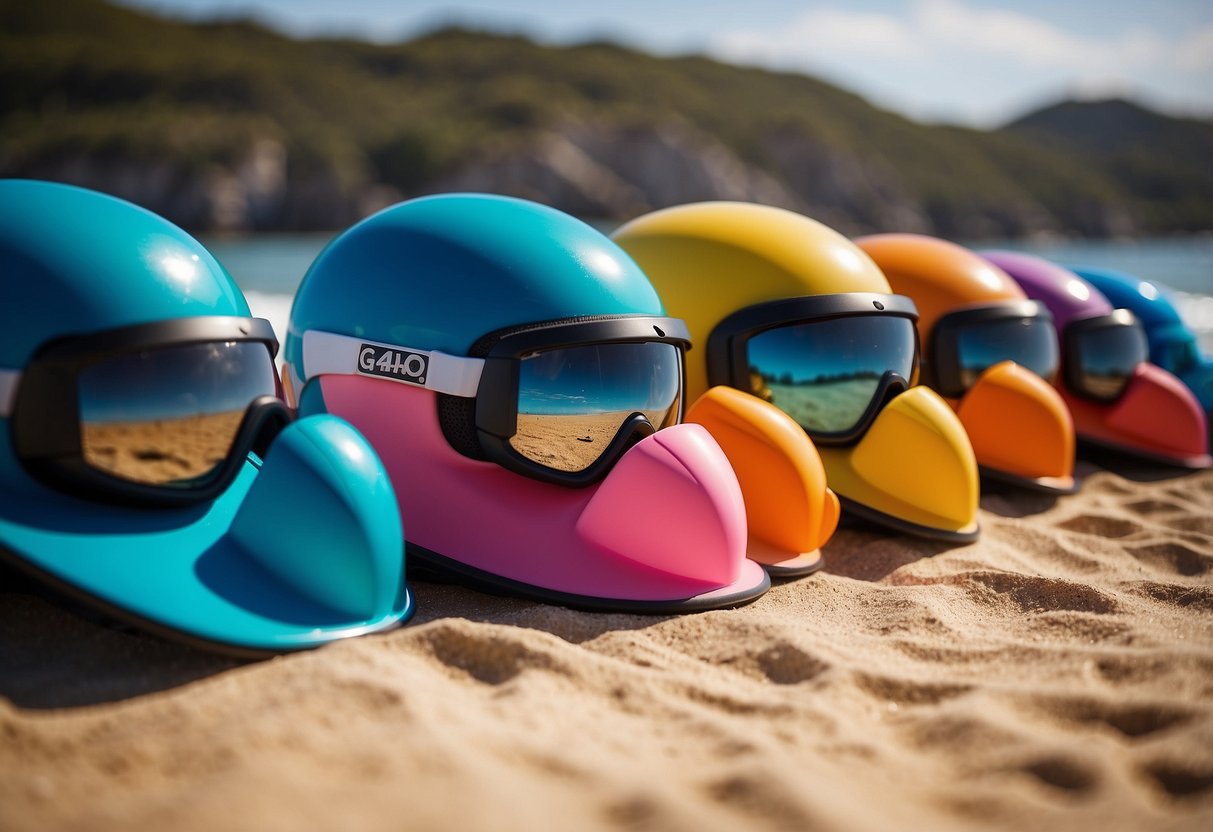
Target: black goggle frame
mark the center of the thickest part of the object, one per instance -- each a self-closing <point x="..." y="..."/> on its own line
<point x="45" y="420"/>
<point x="729" y="339"/>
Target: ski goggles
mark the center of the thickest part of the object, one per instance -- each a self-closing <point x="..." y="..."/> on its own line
<point x="967" y="342"/>
<point x="559" y="402"/>
<point x="161" y="413"/>
<point x="1102" y="353"/>
<point x="828" y="361"/>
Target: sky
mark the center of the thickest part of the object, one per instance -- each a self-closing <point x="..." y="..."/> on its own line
<point x="974" y="62"/>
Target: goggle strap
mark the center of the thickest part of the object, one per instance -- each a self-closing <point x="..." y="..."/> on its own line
<point x="329" y="352"/>
<point x="9" y="379"/>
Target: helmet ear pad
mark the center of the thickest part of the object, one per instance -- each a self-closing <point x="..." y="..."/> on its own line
<point x="457" y="419"/>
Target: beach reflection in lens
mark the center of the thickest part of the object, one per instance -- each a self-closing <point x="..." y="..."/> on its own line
<point x="573" y="400"/>
<point x="168" y="416"/>
<point x="1029" y="342"/>
<point x="824" y="373"/>
<point x="1107" y="358"/>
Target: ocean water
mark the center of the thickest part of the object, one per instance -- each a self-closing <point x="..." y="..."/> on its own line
<point x="268" y="268"/>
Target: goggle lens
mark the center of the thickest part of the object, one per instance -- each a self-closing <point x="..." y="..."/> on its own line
<point x="168" y="416"/>
<point x="1029" y="342"/>
<point x="825" y="373"/>
<point x="1107" y="357"/>
<point x="572" y="401"/>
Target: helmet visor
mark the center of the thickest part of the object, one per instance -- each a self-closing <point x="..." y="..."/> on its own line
<point x="159" y="413"/>
<point x="1029" y="342"/>
<point x="966" y="343"/>
<point x="169" y="416"/>
<point x="1102" y="354"/>
<point x="827" y="374"/>
<point x="573" y="401"/>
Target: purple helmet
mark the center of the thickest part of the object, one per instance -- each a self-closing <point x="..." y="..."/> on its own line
<point x="1117" y="398"/>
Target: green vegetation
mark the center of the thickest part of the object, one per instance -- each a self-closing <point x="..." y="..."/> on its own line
<point x="159" y="111"/>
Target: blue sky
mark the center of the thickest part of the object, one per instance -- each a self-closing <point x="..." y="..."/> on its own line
<point x="977" y="62"/>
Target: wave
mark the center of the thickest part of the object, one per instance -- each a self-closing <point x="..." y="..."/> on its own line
<point x="273" y="307"/>
<point x="1197" y="312"/>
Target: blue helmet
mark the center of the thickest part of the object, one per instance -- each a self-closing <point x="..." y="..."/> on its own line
<point x="137" y="401"/>
<point x="1173" y="346"/>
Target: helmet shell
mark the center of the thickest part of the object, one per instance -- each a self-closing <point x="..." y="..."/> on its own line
<point x="77" y="261"/>
<point x="438" y="274"/>
<point x="1018" y="424"/>
<point x="914" y="468"/>
<point x="939" y="276"/>
<point x="299" y="550"/>
<point x="714" y="258"/>
<point x="514" y="262"/>
<point x="1066" y="295"/>
<point x="1148" y="303"/>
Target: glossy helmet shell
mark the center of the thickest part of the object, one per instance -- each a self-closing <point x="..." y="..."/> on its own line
<point x="513" y="262"/>
<point x="77" y="261"/>
<point x="439" y="273"/>
<point x="73" y="262"/>
<point x="914" y="468"/>
<point x="1157" y="417"/>
<point x="1020" y="428"/>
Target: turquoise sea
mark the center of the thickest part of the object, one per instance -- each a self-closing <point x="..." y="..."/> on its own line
<point x="269" y="267"/>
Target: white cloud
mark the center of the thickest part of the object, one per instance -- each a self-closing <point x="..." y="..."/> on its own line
<point x="823" y="31"/>
<point x="934" y="49"/>
<point x="1195" y="52"/>
<point x="936" y="27"/>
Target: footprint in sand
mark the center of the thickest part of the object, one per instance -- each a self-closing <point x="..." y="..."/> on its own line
<point x="1101" y="525"/>
<point x="1062" y="772"/>
<point x="1130" y="720"/>
<point x="1180" y="779"/>
<point x="1173" y="558"/>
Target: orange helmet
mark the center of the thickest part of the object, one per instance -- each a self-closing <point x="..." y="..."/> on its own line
<point x="990" y="352"/>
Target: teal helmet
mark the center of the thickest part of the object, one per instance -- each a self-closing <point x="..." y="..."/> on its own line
<point x="511" y="364"/>
<point x="138" y="398"/>
<point x="513" y="262"/>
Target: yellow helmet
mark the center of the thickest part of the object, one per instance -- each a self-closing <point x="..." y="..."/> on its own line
<point x="990" y="352"/>
<point x="790" y="310"/>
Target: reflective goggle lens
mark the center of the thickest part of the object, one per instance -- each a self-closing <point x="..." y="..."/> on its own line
<point x="1107" y="357"/>
<point x="169" y="416"/>
<point x="824" y="373"/>
<point x="1029" y="342"/>
<point x="572" y="401"/>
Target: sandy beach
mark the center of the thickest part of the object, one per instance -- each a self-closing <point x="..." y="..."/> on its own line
<point x="161" y="450"/>
<point x="1057" y="674"/>
<point x="568" y="442"/>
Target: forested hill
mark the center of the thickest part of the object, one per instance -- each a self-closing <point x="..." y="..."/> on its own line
<point x="231" y="125"/>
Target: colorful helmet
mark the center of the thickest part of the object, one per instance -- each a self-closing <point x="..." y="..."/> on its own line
<point x="1117" y="398"/>
<point x="1173" y="346"/>
<point x="512" y="366"/>
<point x="990" y="351"/>
<point x="795" y="313"/>
<point x="137" y="397"/>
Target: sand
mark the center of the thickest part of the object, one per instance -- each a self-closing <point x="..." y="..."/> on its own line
<point x="161" y="450"/>
<point x="1057" y="674"/>
<point x="568" y="442"/>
